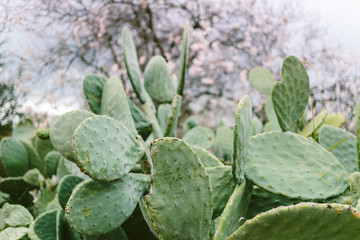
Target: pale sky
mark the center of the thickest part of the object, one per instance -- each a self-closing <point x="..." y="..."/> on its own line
<point x="342" y="18"/>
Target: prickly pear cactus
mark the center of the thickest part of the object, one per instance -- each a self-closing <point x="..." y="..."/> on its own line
<point x="290" y="97"/>
<point x="291" y="171"/>
<point x="313" y="221"/>
<point x="180" y="193"/>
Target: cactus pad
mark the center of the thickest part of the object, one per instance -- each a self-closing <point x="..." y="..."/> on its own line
<point x="15" y="215"/>
<point x="291" y="165"/>
<point x="334" y="119"/>
<point x="132" y="64"/>
<point x="180" y="203"/>
<point x="100" y="207"/>
<point x="233" y="215"/>
<point x="104" y="149"/>
<point x="114" y="103"/>
<point x="200" y="136"/>
<point x="183" y="59"/>
<point x="207" y="159"/>
<point x="157" y="80"/>
<point x="222" y="185"/>
<point x="14" y="233"/>
<point x="63" y="128"/>
<point x="224" y="142"/>
<point x="93" y="85"/>
<point x="51" y="163"/>
<point x="290" y="97"/>
<point x="65" y="187"/>
<point x="256" y="126"/>
<point x="14" y="157"/>
<point x="313" y="221"/>
<point x="343" y="144"/>
<point x="242" y="131"/>
<point x="172" y="122"/>
<point x="24" y="130"/>
<point x="262" y="80"/>
<point x="45" y="225"/>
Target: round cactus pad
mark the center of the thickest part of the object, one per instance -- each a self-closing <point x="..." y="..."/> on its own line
<point x="45" y="225"/>
<point x="157" y="80"/>
<point x="262" y="80"/>
<point x="342" y="144"/>
<point x="200" y="136"/>
<point x="65" y="187"/>
<point x="63" y="128"/>
<point x="180" y="200"/>
<point x="100" y="207"/>
<point x="104" y="149"/>
<point x="291" y="165"/>
<point x="14" y="157"/>
<point x="302" y="221"/>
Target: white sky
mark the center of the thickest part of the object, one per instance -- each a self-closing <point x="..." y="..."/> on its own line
<point x="342" y="18"/>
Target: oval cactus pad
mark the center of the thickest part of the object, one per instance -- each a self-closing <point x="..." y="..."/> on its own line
<point x="104" y="149"/>
<point x="303" y="221"/>
<point x="180" y="200"/>
<point x="291" y="165"/>
<point x="100" y="207"/>
<point x="62" y="130"/>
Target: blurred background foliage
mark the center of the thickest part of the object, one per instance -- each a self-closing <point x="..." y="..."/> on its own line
<point x="47" y="47"/>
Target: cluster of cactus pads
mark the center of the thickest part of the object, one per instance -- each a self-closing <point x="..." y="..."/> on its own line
<point x="137" y="180"/>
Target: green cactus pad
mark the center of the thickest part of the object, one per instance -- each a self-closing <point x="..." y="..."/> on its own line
<point x="234" y="212"/>
<point x="100" y="207"/>
<point x="206" y="158"/>
<point x="180" y="200"/>
<point x="224" y="142"/>
<point x="256" y="126"/>
<point x="14" y="233"/>
<point x="104" y="149"/>
<point x="63" y="229"/>
<point x="242" y="131"/>
<point x="24" y="130"/>
<point x="32" y="177"/>
<point x="65" y="188"/>
<point x="200" y="136"/>
<point x="262" y="80"/>
<point x="314" y="124"/>
<point x="93" y="85"/>
<point x="62" y="131"/>
<point x="114" y="103"/>
<point x="172" y="122"/>
<point x="289" y="164"/>
<point x="183" y="59"/>
<point x="269" y="111"/>
<point x="343" y="144"/>
<point x="51" y="163"/>
<point x="163" y="113"/>
<point x="35" y="161"/>
<point x="45" y="225"/>
<point x="313" y="221"/>
<point x="334" y="119"/>
<point x="15" y="186"/>
<point x="43" y="147"/>
<point x="117" y="234"/>
<point x="142" y="123"/>
<point x="262" y="201"/>
<point x="271" y="126"/>
<point x="190" y="123"/>
<point x="157" y="80"/>
<point x="222" y="185"/>
<point x="132" y="64"/>
<point x="14" y="157"/>
<point x="43" y="133"/>
<point x="290" y="97"/>
<point x="15" y="215"/>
